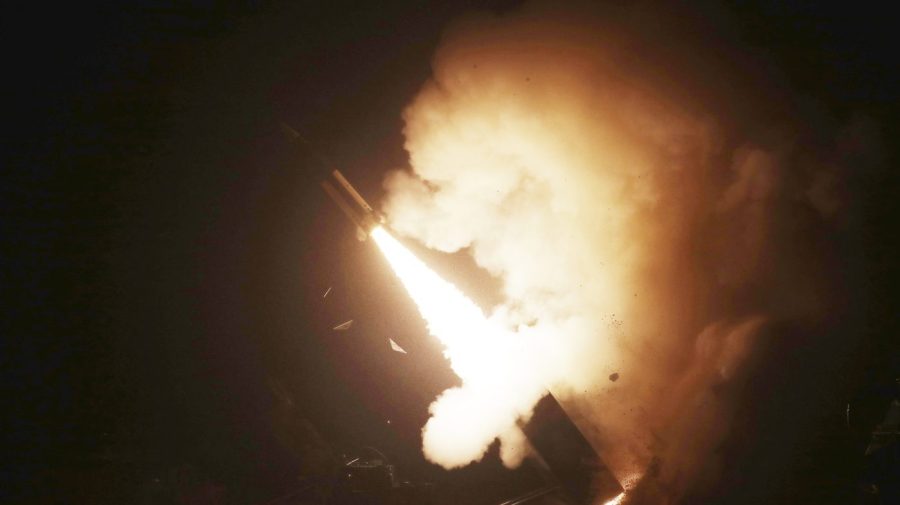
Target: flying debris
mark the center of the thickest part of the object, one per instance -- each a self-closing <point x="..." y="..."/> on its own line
<point x="614" y="376"/>
<point x="327" y="291"/>
<point x="361" y="214"/>
<point x="343" y="326"/>
<point x="396" y="347"/>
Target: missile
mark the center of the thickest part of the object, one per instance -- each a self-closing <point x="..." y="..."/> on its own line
<point x="352" y="204"/>
<point x="337" y="187"/>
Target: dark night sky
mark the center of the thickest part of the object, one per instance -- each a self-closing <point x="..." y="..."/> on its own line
<point x="165" y="249"/>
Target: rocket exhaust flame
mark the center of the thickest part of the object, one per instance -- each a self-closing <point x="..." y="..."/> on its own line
<point x="499" y="390"/>
<point x="488" y="357"/>
<point x="454" y="319"/>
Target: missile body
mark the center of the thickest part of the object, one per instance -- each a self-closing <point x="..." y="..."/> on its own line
<point x="352" y="204"/>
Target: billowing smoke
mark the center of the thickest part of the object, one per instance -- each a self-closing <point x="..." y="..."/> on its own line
<point x="637" y="230"/>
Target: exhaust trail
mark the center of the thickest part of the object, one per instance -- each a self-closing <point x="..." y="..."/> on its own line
<point x="491" y="360"/>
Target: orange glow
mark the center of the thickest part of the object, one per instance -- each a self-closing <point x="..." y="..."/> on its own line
<point x="642" y="246"/>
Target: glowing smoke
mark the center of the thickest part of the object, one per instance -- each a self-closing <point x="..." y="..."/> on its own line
<point x="631" y="231"/>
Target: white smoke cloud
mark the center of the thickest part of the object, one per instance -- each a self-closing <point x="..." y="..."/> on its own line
<point x="632" y="233"/>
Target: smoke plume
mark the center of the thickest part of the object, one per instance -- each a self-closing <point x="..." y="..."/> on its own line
<point x="598" y="169"/>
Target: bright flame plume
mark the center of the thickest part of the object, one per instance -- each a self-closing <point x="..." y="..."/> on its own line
<point x="451" y="316"/>
<point x="488" y="357"/>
